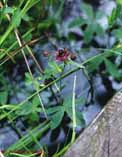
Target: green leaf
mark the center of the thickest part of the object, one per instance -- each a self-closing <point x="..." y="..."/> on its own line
<point x="35" y="100"/>
<point x="99" y="15"/>
<point x="52" y="70"/>
<point x="47" y="23"/>
<point x="88" y="34"/>
<point x="94" y="64"/>
<point x="2" y="55"/>
<point x="56" y="118"/>
<point x="77" y="22"/>
<point x="68" y="109"/>
<point x="80" y="119"/>
<point x="88" y="11"/>
<point x="53" y="110"/>
<point x="119" y="11"/>
<point x="98" y="29"/>
<point x="112" y="17"/>
<point x="118" y="49"/>
<point x="26" y="18"/>
<point x="16" y="18"/>
<point x="34" y="117"/>
<point x="8" y="10"/>
<point x="3" y="97"/>
<point x="28" y="108"/>
<point x="118" y="33"/>
<point x="25" y="109"/>
<point x="55" y="67"/>
<point x="28" y="79"/>
<point x="111" y="68"/>
<point x="116" y="14"/>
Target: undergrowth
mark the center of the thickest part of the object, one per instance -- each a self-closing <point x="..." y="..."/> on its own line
<point x="25" y="24"/>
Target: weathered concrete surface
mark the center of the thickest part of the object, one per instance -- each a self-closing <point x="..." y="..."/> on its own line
<point x="103" y="137"/>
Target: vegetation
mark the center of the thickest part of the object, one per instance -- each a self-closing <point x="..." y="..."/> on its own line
<point x="42" y="105"/>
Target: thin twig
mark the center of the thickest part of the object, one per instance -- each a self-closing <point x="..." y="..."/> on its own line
<point x="33" y="57"/>
<point x="12" y="54"/>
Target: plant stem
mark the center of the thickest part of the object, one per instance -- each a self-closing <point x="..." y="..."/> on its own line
<point x="73" y="110"/>
<point x="23" y="53"/>
<point x="53" y="82"/>
<point x="26" y="61"/>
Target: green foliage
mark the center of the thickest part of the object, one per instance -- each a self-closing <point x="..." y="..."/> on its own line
<point x="53" y="69"/>
<point x="28" y="139"/>
<point x="112" y="69"/>
<point x="116" y="16"/>
<point x="3" y="97"/>
<point x="94" y="64"/>
<point x="32" y="19"/>
<point x="118" y="34"/>
<point x="30" y="81"/>
<point x="16" y="18"/>
<point x="30" y="110"/>
<point x="90" y="19"/>
<point x="68" y="109"/>
<point x="79" y="21"/>
<point x="56" y="115"/>
<point x="28" y="78"/>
